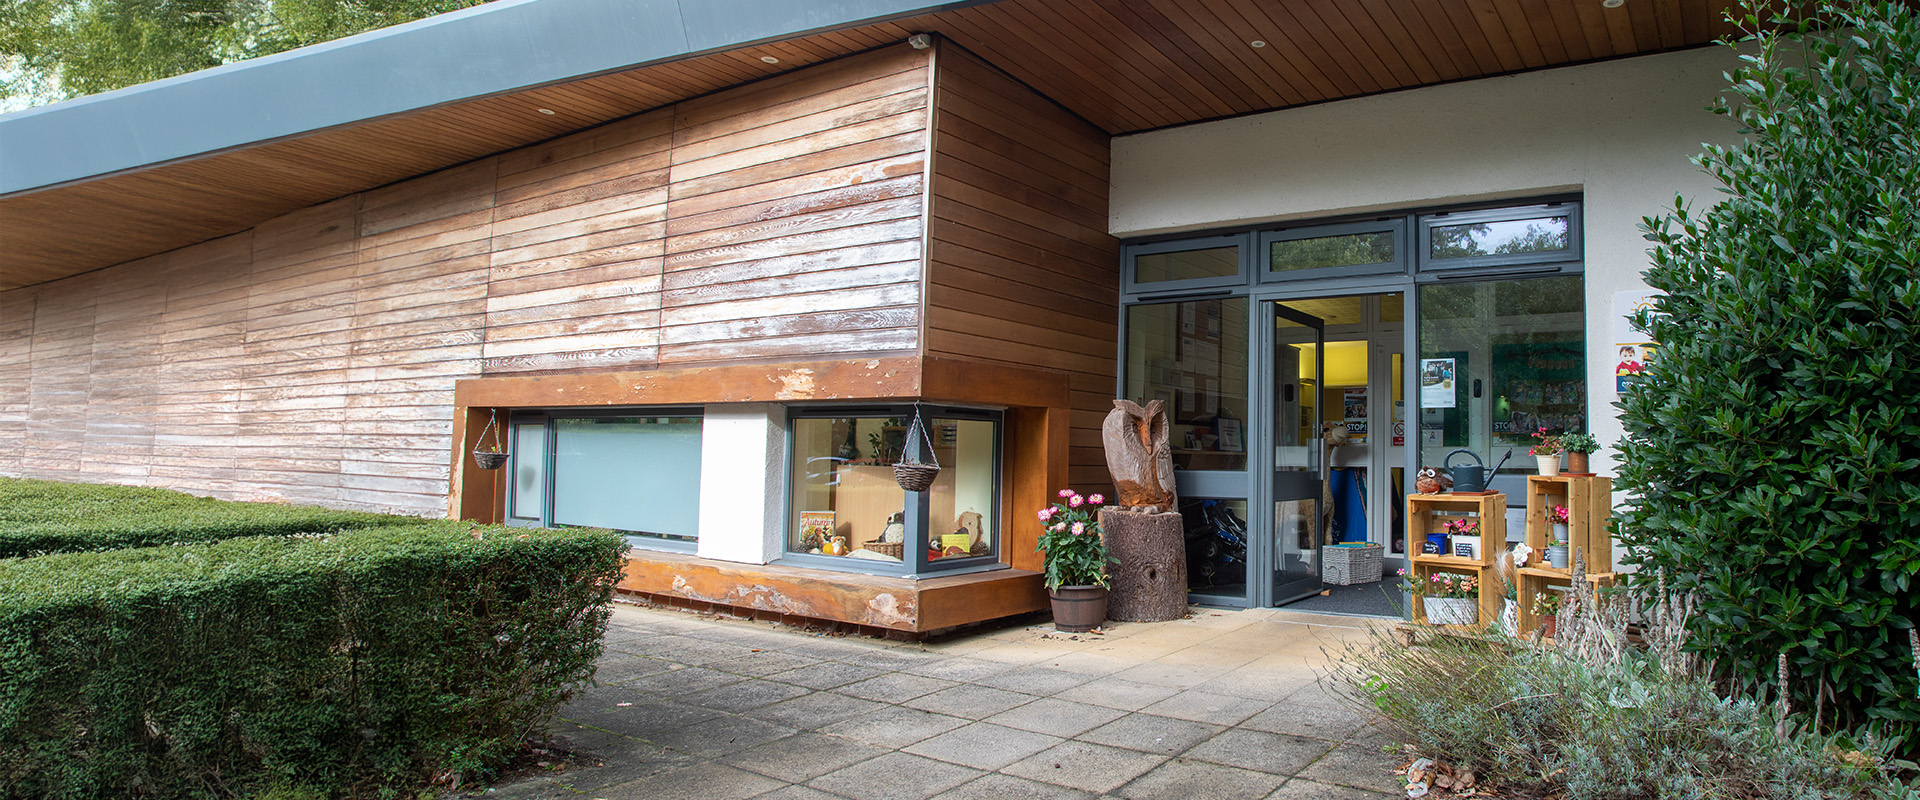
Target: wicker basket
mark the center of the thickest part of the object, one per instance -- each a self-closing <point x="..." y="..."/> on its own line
<point x="486" y="460"/>
<point x="914" y="477"/>
<point x="895" y="549"/>
<point x="1346" y="566"/>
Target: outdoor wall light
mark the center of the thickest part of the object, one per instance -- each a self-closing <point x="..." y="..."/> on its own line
<point x="1612" y="3"/>
<point x="770" y="59"/>
<point x="546" y="111"/>
<point x="1258" y="43"/>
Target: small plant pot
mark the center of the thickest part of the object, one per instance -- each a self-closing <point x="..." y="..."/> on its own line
<point x="1452" y="611"/>
<point x="486" y="460"/>
<point x="1549" y="465"/>
<point x="1557" y="556"/>
<point x="1078" y="609"/>
<point x="1560" y="532"/>
<point x="1577" y="462"/>
<point x="1552" y="623"/>
<point x="1466" y="547"/>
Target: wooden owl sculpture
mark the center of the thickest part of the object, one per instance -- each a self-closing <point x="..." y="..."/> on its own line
<point x="1138" y="455"/>
<point x="1430" y="480"/>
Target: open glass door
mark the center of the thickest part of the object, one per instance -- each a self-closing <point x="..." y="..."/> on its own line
<point x="1299" y="466"/>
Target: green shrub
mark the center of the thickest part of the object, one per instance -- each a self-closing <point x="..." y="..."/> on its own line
<point x="1538" y="722"/>
<point x="362" y="663"/>
<point x="1773" y="447"/>
<point x="46" y="517"/>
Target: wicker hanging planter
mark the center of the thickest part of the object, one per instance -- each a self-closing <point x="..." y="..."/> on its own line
<point x="910" y="472"/>
<point x="495" y="458"/>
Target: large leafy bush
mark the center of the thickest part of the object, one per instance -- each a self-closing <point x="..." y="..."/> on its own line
<point x="1773" y="448"/>
<point x="362" y="663"/>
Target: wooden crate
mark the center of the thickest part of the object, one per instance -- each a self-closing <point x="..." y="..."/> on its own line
<point x="1429" y="513"/>
<point x="1589" y="502"/>
<point x="1534" y="580"/>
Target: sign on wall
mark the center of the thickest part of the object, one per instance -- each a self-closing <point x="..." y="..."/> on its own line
<point x="1633" y="349"/>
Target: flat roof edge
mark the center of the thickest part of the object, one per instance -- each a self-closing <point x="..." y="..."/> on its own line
<point x="476" y="52"/>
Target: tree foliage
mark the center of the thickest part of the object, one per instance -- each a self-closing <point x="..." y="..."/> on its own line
<point x="58" y="49"/>
<point x="1773" y="447"/>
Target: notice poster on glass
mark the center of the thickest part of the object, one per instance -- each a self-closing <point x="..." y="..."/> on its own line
<point x="1354" y="403"/>
<point x="1436" y="383"/>
<point x="1633" y="348"/>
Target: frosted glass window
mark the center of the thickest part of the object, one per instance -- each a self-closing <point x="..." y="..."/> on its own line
<point x="637" y="475"/>
<point x="529" y="470"/>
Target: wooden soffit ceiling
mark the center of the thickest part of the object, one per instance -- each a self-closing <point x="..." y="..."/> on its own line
<point x="1125" y="65"/>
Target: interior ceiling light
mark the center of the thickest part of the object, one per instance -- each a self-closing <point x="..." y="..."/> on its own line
<point x="1612" y="3"/>
<point x="770" y="59"/>
<point x="546" y="111"/>
<point x="1257" y="43"/>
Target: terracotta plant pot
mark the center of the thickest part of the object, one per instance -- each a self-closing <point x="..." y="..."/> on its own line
<point x="1576" y="462"/>
<point x="1552" y="626"/>
<point x="1078" y="609"/>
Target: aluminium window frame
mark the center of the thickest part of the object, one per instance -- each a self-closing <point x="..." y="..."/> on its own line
<point x="914" y="563"/>
<point x="1243" y="242"/>
<point x="1570" y="259"/>
<point x="1268" y="237"/>
<point x="547" y="416"/>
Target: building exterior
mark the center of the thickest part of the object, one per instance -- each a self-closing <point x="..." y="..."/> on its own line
<point x="706" y="270"/>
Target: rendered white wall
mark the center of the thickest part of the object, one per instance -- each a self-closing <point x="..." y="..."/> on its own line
<point x="743" y="468"/>
<point x="1619" y="132"/>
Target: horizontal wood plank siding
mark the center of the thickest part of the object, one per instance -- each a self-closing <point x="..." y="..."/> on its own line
<point x="313" y="357"/>
<point x="1021" y="269"/>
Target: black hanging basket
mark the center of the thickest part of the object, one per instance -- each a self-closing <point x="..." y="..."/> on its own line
<point x="490" y="459"/>
<point x="910" y="472"/>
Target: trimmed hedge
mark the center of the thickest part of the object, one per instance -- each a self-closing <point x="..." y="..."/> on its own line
<point x="38" y="517"/>
<point x="362" y="663"/>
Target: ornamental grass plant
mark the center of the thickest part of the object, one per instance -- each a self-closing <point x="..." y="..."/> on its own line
<point x="1598" y="718"/>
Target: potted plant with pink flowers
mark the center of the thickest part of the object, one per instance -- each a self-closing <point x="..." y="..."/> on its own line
<point x="1449" y="598"/>
<point x="1076" y="561"/>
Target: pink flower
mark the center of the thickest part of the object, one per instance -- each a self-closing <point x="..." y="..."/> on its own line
<point x="1076" y="501"/>
<point x="1066" y="493"/>
<point x="1096" y="499"/>
<point x="1059" y="527"/>
<point x="1046" y="514"/>
<point x="1079" y="528"/>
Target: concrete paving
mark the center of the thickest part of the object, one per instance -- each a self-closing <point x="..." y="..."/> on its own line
<point x="1224" y="705"/>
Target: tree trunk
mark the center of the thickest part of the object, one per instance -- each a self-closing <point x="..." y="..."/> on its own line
<point x="1150" y="580"/>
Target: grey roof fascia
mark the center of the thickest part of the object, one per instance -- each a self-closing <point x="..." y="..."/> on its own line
<point x="499" y="47"/>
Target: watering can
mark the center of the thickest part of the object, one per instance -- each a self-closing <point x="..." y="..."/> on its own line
<point x="1467" y="477"/>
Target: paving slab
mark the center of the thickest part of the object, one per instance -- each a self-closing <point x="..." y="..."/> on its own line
<point x="1224" y="704"/>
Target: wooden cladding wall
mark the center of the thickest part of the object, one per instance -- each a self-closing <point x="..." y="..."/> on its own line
<point x="1021" y="269"/>
<point x="313" y="357"/>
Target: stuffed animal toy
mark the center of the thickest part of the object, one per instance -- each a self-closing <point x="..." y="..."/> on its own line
<point x="1430" y="480"/>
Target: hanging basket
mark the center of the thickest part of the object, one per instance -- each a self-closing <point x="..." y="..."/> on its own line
<point x="490" y="459"/>
<point x="912" y="474"/>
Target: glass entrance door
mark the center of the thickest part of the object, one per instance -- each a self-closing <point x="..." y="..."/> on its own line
<point x="1299" y="465"/>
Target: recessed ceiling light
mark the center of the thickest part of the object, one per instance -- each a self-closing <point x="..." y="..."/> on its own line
<point x="1257" y="43"/>
<point x="770" y="59"/>
<point x="1612" y="3"/>
<point x="546" y="111"/>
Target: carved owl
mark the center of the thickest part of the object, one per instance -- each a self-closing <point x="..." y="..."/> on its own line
<point x="1430" y="480"/>
<point x="1138" y="456"/>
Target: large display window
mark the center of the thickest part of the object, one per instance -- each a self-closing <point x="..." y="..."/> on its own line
<point x="635" y="472"/>
<point x="847" y="511"/>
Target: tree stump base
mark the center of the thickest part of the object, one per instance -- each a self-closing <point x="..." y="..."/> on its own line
<point x="1150" y="580"/>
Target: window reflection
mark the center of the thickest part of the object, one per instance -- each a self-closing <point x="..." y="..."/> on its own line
<point x="1498" y="361"/>
<point x="1192" y="355"/>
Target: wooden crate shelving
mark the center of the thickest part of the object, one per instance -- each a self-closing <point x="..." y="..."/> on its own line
<point x="1589" y="502"/>
<point x="1534" y="580"/>
<point x="1429" y="513"/>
